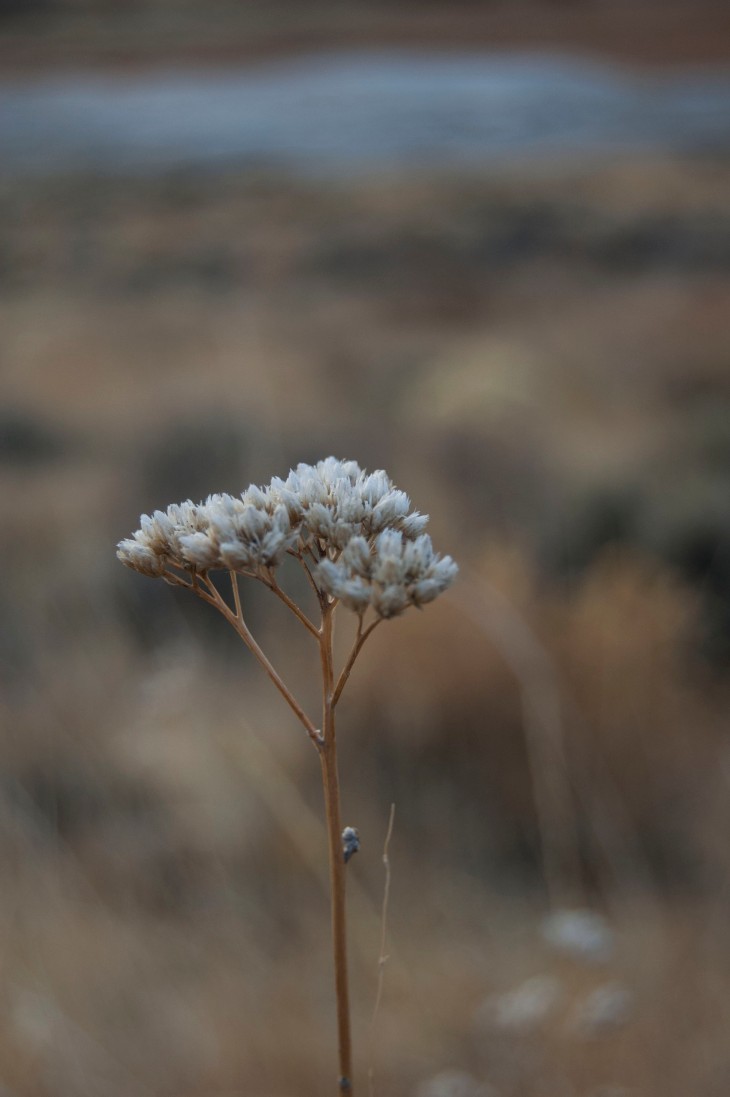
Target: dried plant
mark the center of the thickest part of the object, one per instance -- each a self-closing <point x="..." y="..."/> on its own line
<point x="361" y="546"/>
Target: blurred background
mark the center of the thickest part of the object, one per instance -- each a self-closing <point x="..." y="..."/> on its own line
<point x="485" y="246"/>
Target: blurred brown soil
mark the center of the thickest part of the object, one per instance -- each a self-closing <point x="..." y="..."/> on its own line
<point x="651" y="33"/>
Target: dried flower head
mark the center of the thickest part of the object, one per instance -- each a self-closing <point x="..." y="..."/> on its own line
<point x="363" y="544"/>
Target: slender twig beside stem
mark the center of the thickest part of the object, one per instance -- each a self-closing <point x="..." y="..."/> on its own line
<point x="382" y="958"/>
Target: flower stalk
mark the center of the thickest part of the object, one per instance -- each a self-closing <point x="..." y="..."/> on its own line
<point x="361" y="547"/>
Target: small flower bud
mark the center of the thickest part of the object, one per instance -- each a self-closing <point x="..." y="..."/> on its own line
<point x="350" y="842"/>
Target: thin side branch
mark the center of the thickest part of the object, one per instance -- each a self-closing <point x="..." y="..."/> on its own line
<point x="236" y="595"/>
<point x="291" y="604"/>
<point x="174" y="580"/>
<point x="360" y="639"/>
<point x="326" y="657"/>
<point x="214" y="597"/>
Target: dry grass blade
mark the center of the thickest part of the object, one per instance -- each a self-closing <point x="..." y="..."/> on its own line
<point x="382" y="958"/>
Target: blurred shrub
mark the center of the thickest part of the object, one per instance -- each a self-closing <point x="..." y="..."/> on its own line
<point x="440" y="729"/>
<point x="27" y="440"/>
<point x="194" y="456"/>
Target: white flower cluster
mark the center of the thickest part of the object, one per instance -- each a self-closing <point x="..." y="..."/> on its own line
<point x="389" y="573"/>
<point x="366" y="547"/>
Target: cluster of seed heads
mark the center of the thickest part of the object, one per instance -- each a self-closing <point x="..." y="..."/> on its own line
<point x="361" y="545"/>
<point x="356" y="532"/>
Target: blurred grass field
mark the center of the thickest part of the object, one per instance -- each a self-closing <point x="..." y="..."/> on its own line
<point x="541" y="359"/>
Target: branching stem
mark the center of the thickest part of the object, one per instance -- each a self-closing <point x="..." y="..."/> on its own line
<point x="291" y="604"/>
<point x="236" y="596"/>
<point x="210" y="593"/>
<point x="326" y="744"/>
<point x="362" y="635"/>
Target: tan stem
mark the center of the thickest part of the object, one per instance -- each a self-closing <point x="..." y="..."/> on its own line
<point x="331" y="786"/>
<point x="326" y="744"/>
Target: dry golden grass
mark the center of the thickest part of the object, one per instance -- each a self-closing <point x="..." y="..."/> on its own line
<point x="551" y="396"/>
